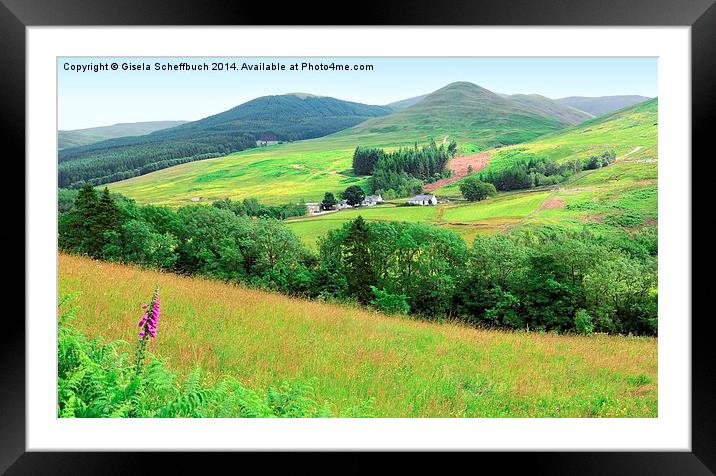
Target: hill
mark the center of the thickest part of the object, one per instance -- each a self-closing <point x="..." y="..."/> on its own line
<point x="620" y="197"/>
<point x="477" y="118"/>
<point x="79" y="137"/>
<point x="598" y="106"/>
<point x="616" y="199"/>
<point x="471" y="113"/>
<point x="390" y="366"/>
<point x="284" y="118"/>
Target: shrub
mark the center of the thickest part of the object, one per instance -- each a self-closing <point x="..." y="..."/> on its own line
<point x="638" y="380"/>
<point x="475" y="190"/>
<point x="583" y="322"/>
<point x="390" y="303"/>
<point x="627" y="219"/>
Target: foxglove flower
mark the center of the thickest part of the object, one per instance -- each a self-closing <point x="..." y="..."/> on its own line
<point x="148" y="322"/>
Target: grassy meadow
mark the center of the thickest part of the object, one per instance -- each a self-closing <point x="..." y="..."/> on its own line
<point x="398" y="366"/>
<point x="274" y="174"/>
<point x="464" y="218"/>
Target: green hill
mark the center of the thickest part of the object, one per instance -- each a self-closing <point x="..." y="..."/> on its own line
<point x="470" y="114"/>
<point x="283" y="118"/>
<point x="79" y="137"/>
<point x="621" y="131"/>
<point x="621" y="196"/>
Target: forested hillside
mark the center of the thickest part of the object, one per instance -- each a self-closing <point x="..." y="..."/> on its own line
<point x="283" y="118"/>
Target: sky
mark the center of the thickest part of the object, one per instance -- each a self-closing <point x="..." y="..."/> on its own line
<point x="96" y="98"/>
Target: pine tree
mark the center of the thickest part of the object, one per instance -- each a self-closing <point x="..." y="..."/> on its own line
<point x="84" y="228"/>
<point x="76" y="232"/>
<point x="358" y="263"/>
<point x="107" y="220"/>
<point x="107" y="212"/>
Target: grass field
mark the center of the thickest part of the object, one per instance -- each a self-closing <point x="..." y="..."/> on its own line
<point x="275" y="174"/>
<point x="464" y="218"/>
<point x="506" y="207"/>
<point x="310" y="228"/>
<point x="407" y="368"/>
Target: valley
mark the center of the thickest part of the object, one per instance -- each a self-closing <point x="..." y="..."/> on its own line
<point x="496" y="256"/>
<point x="305" y="170"/>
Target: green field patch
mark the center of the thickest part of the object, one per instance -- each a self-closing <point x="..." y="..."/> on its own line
<point x="508" y="205"/>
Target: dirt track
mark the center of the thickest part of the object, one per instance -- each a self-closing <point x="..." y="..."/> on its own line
<point x="459" y="166"/>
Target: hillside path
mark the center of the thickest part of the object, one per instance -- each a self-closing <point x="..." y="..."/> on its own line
<point x="623" y="156"/>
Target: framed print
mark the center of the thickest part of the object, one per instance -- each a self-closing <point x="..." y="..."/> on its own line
<point x="463" y="229"/>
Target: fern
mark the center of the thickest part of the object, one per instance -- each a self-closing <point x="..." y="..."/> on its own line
<point x="96" y="380"/>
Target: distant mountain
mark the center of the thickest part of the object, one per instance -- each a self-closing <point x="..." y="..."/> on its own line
<point x="469" y="113"/>
<point x="78" y="137"/>
<point x="550" y="107"/>
<point x="598" y="106"/>
<point x="284" y="118"/>
<point x="403" y="103"/>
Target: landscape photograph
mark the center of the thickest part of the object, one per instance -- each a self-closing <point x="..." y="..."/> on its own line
<point x="357" y="237"/>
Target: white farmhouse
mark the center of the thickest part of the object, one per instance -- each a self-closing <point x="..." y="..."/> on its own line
<point x="313" y="208"/>
<point x="343" y="204"/>
<point x="262" y="143"/>
<point x="371" y="200"/>
<point x="423" y="200"/>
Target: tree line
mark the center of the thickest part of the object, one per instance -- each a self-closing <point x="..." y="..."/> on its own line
<point x="403" y="171"/>
<point x="542" y="279"/>
<point x="123" y="158"/>
<point x="253" y="208"/>
<point x="534" y="171"/>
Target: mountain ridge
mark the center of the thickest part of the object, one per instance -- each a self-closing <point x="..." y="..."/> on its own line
<point x="601" y="105"/>
<point x="469" y="113"/>
<point x="77" y="137"/>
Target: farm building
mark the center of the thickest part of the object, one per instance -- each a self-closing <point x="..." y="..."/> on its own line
<point x="423" y="200"/>
<point x="371" y="200"/>
<point x="343" y="204"/>
<point x="267" y="139"/>
<point x="261" y="143"/>
<point x="313" y="208"/>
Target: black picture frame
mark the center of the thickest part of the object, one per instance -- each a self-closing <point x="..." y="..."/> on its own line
<point x="700" y="15"/>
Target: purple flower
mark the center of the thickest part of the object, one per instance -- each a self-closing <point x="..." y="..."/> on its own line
<point x="149" y="320"/>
